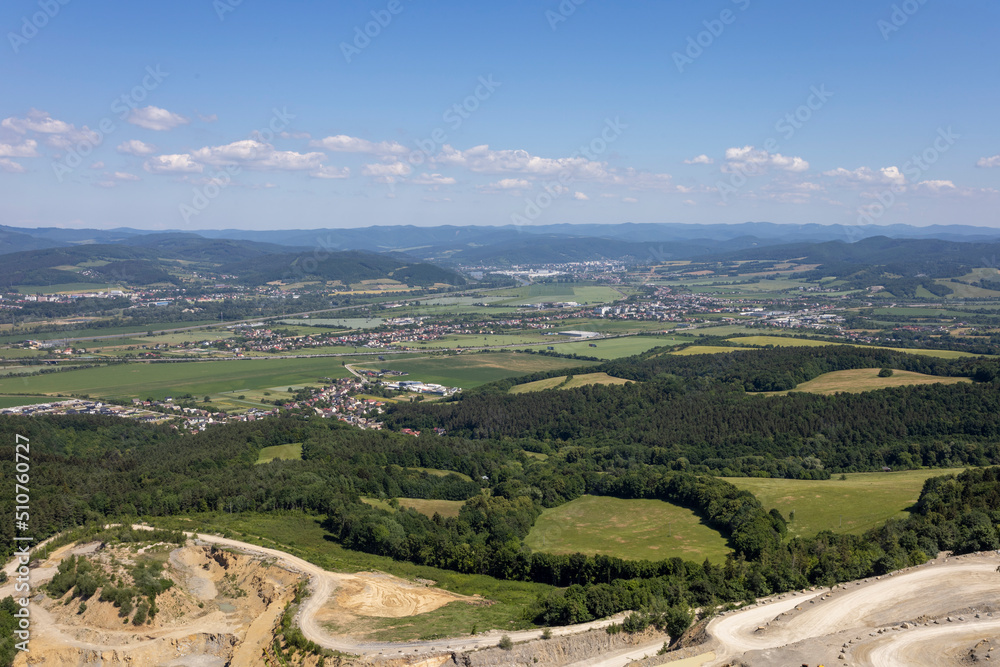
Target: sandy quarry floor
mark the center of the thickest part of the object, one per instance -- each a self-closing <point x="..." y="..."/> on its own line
<point x="197" y="625"/>
<point x="933" y="615"/>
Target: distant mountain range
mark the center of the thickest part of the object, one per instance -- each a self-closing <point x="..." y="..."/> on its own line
<point x="509" y="244"/>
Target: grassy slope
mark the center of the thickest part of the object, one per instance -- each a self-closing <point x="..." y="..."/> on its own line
<point x="577" y="381"/>
<point x="634" y="529"/>
<point x="867" y="379"/>
<point x="859" y="503"/>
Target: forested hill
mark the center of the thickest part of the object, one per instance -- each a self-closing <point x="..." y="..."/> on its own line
<point x="697" y="409"/>
<point x="160" y="258"/>
<point x="893" y="263"/>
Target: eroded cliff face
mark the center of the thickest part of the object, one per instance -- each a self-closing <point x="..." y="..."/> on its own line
<point x="555" y="652"/>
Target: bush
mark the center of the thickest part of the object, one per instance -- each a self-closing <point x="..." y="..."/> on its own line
<point x="885" y="373"/>
<point x="506" y="643"/>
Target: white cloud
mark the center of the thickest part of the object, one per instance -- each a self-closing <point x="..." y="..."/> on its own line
<point x="246" y="153"/>
<point x="511" y="184"/>
<point x="988" y="162"/>
<point x="937" y="186"/>
<point x="257" y="155"/>
<point x="701" y="159"/>
<point x="580" y="196"/>
<point x="750" y="159"/>
<point x="689" y="202"/>
<point x="387" y="172"/>
<point x="11" y="167"/>
<point x="125" y="176"/>
<point x="136" y="147"/>
<point x="27" y="148"/>
<point x="211" y="118"/>
<point x="36" y="121"/>
<point x="331" y="172"/>
<point x="433" y="179"/>
<point x="342" y="143"/>
<point x="884" y="176"/>
<point x="172" y="164"/>
<point x="155" y="118"/>
<point x="630" y="200"/>
<point x="57" y="133"/>
<point x="97" y="165"/>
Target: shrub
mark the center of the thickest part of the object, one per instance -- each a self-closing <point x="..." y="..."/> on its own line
<point x="506" y="643"/>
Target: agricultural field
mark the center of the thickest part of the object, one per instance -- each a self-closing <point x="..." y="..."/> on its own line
<point x="159" y="380"/>
<point x="446" y="508"/>
<point x="14" y="401"/>
<point x="632" y="529"/>
<point x="472" y="370"/>
<point x="70" y="334"/>
<point x="867" y="379"/>
<point x="289" y="452"/>
<point x="561" y="382"/>
<point x="614" y="348"/>
<point x="545" y="292"/>
<point x="859" y="503"/>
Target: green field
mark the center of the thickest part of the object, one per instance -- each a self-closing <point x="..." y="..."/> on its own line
<point x="472" y="370"/>
<point x="159" y="380"/>
<point x="859" y="503"/>
<point x="615" y="348"/>
<point x="105" y="331"/>
<point x="301" y="535"/>
<point x="289" y="452"/>
<point x="14" y="401"/>
<point x="560" y="382"/>
<point x="867" y="379"/>
<point x="545" y="292"/>
<point x="632" y="529"/>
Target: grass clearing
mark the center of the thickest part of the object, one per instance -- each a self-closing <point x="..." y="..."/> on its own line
<point x="779" y="341"/>
<point x="709" y="349"/>
<point x="472" y="370"/>
<point x="632" y="529"/>
<point x="301" y="535"/>
<point x="867" y="379"/>
<point x="859" y="503"/>
<point x="289" y="452"/>
<point x="561" y="382"/>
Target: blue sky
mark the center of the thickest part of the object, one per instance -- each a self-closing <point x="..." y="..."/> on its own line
<point x="200" y="114"/>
